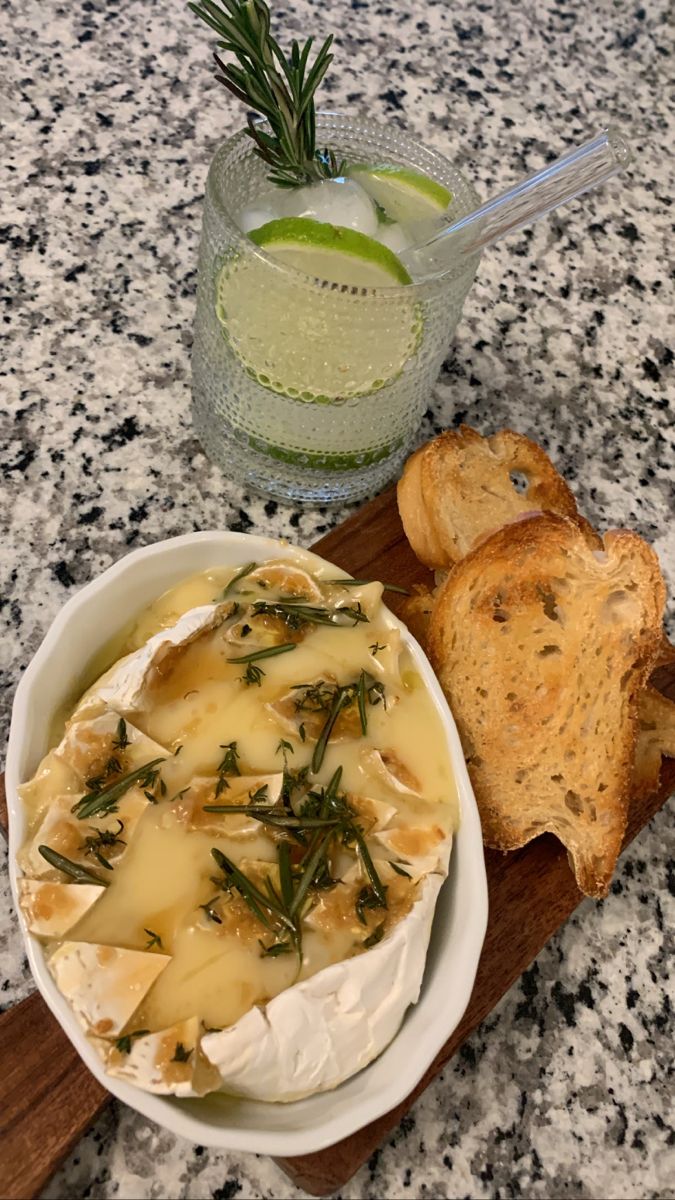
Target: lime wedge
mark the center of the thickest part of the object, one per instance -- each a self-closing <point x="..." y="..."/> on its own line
<point x="331" y="252"/>
<point x="320" y="340"/>
<point x="404" y="195"/>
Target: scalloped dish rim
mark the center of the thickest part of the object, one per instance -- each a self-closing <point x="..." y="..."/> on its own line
<point x="82" y="628"/>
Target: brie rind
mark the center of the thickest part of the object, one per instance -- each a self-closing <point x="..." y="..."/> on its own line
<point x="321" y="1031"/>
<point x="62" y="831"/>
<point x="151" y="1062"/>
<point x="122" y="687"/>
<point x="51" y="909"/>
<point x="65" y="768"/>
<point x="104" y="985"/>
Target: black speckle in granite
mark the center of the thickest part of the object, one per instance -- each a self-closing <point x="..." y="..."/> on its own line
<point x="230" y="1188"/>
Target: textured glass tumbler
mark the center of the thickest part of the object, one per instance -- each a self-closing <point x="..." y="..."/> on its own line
<point x="305" y="390"/>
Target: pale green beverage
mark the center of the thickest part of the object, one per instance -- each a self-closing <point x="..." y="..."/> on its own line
<point x="306" y="388"/>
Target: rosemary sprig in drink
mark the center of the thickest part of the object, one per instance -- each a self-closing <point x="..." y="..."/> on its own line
<point x="281" y="89"/>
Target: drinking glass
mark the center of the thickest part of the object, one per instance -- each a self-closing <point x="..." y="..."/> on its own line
<point x="305" y="390"/>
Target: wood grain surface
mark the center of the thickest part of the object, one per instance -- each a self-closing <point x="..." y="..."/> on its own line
<point x="48" y="1098"/>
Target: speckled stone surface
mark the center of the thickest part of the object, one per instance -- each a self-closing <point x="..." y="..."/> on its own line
<point x="110" y="116"/>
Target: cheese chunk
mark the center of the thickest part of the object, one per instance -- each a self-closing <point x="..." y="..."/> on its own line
<point x="123" y="685"/>
<point x="65" y="833"/>
<point x="168" y="1062"/>
<point x="51" y="909"/>
<point x="104" y="985"/>
<point x="317" y="1033"/>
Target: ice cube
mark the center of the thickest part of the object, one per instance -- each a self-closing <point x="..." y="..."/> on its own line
<point x="336" y="201"/>
<point x="253" y="216"/>
<point x="393" y="236"/>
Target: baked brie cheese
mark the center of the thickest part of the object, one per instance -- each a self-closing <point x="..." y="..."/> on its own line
<point x="236" y="845"/>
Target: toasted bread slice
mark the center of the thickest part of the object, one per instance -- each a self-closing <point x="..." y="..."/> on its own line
<point x="458" y="489"/>
<point x="416" y="612"/>
<point x="655" y="740"/>
<point x="542" y="646"/>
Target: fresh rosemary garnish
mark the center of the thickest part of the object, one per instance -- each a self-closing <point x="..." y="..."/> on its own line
<point x="210" y="910"/>
<point x="100" y="838"/>
<point x="268" y="652"/>
<point x="324" y="819"/>
<point x="374" y="937"/>
<point x="366" y="901"/>
<point x="121" y="739"/>
<point x="388" y="587"/>
<point x="296" y="614"/>
<point x="399" y="870"/>
<point x="260" y="904"/>
<point x="334" y="698"/>
<point x="244" y="570"/>
<point x="181" y="1054"/>
<point x="97" y="803"/>
<point x="284" y="748"/>
<point x="275" y="817"/>
<point x="112" y="767"/>
<point x="281" y="89"/>
<point x="275" y="949"/>
<point x="254" y="674"/>
<point x="77" y="872"/>
<point x="123" y="1044"/>
<point x="153" y="939"/>
<point x="228" y="766"/>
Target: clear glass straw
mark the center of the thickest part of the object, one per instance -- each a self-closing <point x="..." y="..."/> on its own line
<point x="588" y="166"/>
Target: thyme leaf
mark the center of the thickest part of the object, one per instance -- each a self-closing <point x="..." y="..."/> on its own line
<point x="99" y="802"/>
<point x="374" y="937"/>
<point x="181" y="1054"/>
<point x="123" y="1044"/>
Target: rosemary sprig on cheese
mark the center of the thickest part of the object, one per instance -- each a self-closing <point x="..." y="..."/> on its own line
<point x="296" y="614"/>
<point x="98" y="803"/>
<point x="334" y="699"/>
<point x="231" y="586"/>
<point x="388" y="587"/>
<point x="76" y="871"/>
<point x="324" y="818"/>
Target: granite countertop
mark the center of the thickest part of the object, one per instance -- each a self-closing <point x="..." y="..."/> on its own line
<point x="111" y="115"/>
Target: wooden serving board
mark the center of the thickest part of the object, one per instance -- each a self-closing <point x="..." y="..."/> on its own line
<point x="48" y="1098"/>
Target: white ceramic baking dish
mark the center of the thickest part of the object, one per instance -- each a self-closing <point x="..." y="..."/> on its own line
<point x="58" y="671"/>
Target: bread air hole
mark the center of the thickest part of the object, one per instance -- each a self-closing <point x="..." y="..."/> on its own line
<point x="546" y="651"/>
<point x="573" y="802"/>
<point x="519" y="481"/>
<point x="548" y="603"/>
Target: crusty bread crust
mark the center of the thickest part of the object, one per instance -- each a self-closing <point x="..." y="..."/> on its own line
<point x="457" y="489"/>
<point x="655" y="739"/>
<point x="542" y="645"/>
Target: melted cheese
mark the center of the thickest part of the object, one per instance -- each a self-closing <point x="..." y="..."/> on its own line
<point x="188" y="702"/>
